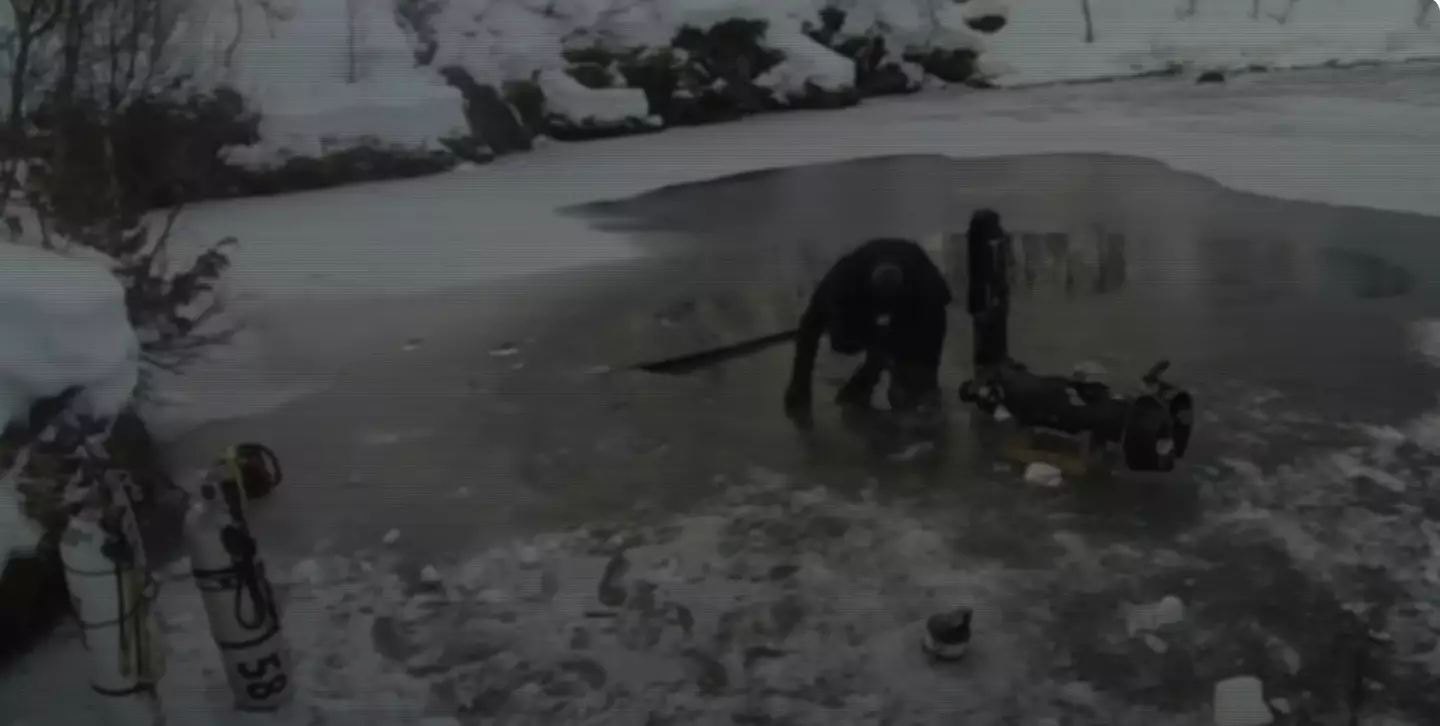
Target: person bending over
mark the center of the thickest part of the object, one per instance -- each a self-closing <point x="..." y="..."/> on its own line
<point x="885" y="299"/>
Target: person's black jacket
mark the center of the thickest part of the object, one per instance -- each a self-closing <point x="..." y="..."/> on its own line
<point x="989" y="274"/>
<point x="844" y="307"/>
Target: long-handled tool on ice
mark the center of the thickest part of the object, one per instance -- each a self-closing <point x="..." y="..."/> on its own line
<point x="680" y="365"/>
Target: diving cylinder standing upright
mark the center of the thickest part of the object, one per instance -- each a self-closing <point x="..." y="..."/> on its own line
<point x="239" y="601"/>
<point x="112" y="596"/>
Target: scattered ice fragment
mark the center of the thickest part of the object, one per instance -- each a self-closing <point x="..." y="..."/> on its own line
<point x="462" y="492"/>
<point x="305" y="571"/>
<point x="391" y="537"/>
<point x="1089" y="371"/>
<point x="1145" y="618"/>
<point x="1240" y="701"/>
<point x="528" y="555"/>
<point x="429" y="575"/>
<point x="913" y="451"/>
<point x="504" y="350"/>
<point x="517" y="366"/>
<point x="411" y="344"/>
<point x="1291" y="658"/>
<point x="1074" y="397"/>
<point x="1281" y="706"/>
<point x="1043" y="475"/>
<point x="1380" y="636"/>
<point x="1002" y="414"/>
<point x="1155" y="643"/>
<point x="1163" y="447"/>
<point x="1078" y="693"/>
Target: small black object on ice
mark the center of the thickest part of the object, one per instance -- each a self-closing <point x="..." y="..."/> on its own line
<point x="947" y="635"/>
<point x="1211" y="77"/>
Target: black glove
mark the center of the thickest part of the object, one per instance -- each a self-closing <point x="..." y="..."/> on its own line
<point x="797" y="406"/>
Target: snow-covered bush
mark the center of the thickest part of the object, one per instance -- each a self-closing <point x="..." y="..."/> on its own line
<point x="167" y="149"/>
<point x="69" y="363"/>
<point x="90" y="298"/>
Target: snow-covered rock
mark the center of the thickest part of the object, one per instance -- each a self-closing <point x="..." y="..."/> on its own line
<point x="808" y="70"/>
<point x="325" y="75"/>
<point x="573" y="111"/>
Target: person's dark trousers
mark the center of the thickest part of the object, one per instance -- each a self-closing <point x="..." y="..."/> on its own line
<point x="917" y="346"/>
<point x="991" y="340"/>
<point x="858" y="390"/>
<point x="853" y="339"/>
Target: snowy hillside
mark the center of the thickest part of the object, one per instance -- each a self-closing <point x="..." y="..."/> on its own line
<point x="1046" y="41"/>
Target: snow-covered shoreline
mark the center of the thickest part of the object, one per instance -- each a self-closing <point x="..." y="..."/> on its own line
<point x="330" y="74"/>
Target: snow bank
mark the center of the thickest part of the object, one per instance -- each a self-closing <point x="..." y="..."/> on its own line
<point x="62" y="324"/>
<point x="806" y="64"/>
<point x="500" y="40"/>
<point x="1045" y="39"/>
<point x="566" y="98"/>
<point x="325" y="74"/>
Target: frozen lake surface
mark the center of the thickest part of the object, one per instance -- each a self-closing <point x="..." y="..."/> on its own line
<point x="1293" y="323"/>
<point x="612" y="547"/>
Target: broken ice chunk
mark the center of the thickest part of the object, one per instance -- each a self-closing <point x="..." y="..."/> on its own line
<point x="528" y="556"/>
<point x="1156" y="644"/>
<point x="1089" y="371"/>
<point x="1145" y="618"/>
<point x="391" y="537"/>
<point x="1079" y="693"/>
<point x="429" y="575"/>
<point x="913" y="451"/>
<point x="1241" y="702"/>
<point x="1280" y="705"/>
<point x="306" y="572"/>
<point x="1002" y="414"/>
<point x="504" y="350"/>
<point x="1043" y="475"/>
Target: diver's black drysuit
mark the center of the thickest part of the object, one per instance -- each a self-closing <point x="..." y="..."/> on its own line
<point x="902" y="332"/>
<point x="989" y="290"/>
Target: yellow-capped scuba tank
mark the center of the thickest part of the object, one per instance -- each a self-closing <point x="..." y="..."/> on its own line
<point x="254" y="467"/>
